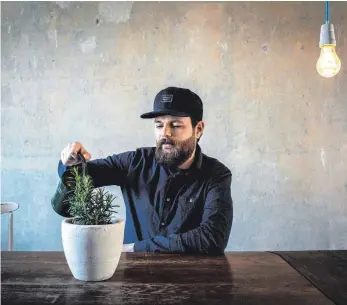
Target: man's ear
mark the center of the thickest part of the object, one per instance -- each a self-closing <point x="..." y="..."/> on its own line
<point x="200" y="129"/>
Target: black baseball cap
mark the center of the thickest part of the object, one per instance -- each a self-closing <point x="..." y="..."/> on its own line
<point x="177" y="102"/>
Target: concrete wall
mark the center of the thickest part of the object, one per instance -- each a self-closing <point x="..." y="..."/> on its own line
<point x="86" y="71"/>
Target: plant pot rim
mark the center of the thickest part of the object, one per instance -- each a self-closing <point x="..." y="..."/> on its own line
<point x="115" y="222"/>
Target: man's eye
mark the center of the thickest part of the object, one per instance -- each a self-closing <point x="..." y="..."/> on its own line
<point x="177" y="126"/>
<point x="158" y="126"/>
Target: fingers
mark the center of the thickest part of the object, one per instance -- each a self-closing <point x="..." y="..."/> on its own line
<point x="87" y="156"/>
<point x="75" y="148"/>
<point x="84" y="152"/>
<point x="69" y="155"/>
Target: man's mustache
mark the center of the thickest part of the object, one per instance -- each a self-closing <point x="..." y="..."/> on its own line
<point x="166" y="141"/>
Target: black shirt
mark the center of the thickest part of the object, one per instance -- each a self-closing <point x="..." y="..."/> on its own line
<point x="169" y="210"/>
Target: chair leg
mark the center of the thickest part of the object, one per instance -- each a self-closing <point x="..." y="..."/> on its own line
<point x="10" y="232"/>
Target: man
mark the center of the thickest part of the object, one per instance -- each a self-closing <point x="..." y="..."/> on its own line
<point x="177" y="199"/>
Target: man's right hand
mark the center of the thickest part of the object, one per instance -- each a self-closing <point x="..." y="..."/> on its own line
<point x="69" y="154"/>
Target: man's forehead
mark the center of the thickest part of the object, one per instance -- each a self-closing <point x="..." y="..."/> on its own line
<point x="171" y="118"/>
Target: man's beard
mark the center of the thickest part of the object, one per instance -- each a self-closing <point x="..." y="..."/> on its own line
<point x="180" y="152"/>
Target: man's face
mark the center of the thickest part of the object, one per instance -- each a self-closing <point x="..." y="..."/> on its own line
<point x="175" y="138"/>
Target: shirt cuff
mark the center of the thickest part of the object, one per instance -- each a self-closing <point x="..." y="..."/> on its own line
<point x="141" y="246"/>
<point x="61" y="169"/>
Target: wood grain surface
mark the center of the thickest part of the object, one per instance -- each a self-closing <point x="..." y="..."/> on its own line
<point x="327" y="270"/>
<point x="146" y="278"/>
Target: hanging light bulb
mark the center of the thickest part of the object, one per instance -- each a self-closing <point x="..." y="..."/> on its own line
<point x="328" y="63"/>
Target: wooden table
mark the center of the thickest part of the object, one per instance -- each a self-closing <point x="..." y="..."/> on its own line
<point x="146" y="278"/>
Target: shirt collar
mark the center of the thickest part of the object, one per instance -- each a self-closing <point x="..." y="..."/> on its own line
<point x="198" y="157"/>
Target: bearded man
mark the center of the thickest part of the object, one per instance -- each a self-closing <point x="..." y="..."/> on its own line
<point x="177" y="199"/>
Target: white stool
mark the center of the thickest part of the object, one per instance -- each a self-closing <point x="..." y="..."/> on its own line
<point x="9" y="207"/>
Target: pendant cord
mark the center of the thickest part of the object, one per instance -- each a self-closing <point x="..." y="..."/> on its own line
<point x="327" y="12"/>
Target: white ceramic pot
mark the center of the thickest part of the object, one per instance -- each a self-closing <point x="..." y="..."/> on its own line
<point x="92" y="251"/>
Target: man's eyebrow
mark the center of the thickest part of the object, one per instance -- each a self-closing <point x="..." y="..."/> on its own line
<point x="173" y="121"/>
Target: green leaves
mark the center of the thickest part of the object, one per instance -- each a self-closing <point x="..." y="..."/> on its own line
<point x="88" y="206"/>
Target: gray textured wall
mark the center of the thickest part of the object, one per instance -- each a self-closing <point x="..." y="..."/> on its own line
<point x="86" y="71"/>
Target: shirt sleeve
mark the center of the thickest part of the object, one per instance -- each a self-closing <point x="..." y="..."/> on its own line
<point x="112" y="170"/>
<point x="212" y="235"/>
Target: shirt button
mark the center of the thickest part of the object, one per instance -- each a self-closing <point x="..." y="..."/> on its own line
<point x="191" y="200"/>
<point x="168" y="199"/>
<point x="163" y="224"/>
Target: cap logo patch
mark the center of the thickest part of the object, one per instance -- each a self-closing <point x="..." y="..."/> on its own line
<point x="166" y="98"/>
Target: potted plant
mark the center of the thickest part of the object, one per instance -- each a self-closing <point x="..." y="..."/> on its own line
<point x="92" y="238"/>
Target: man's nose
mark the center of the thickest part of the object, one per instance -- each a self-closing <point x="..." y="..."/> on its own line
<point x="166" y="131"/>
